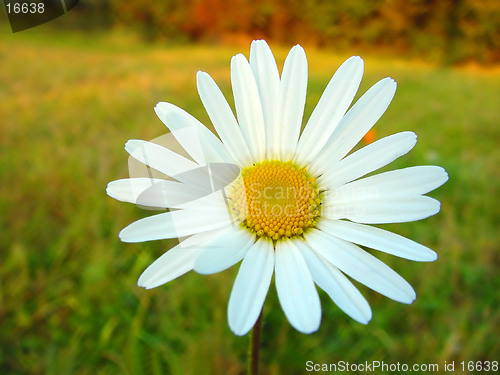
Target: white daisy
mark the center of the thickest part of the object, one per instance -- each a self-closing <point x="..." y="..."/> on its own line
<point x="291" y="204"/>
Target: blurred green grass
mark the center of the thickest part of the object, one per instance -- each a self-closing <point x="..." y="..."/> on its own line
<point x="69" y="303"/>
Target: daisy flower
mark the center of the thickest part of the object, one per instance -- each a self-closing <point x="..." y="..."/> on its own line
<point x="283" y="202"/>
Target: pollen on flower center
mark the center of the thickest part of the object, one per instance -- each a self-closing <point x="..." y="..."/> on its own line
<point x="275" y="199"/>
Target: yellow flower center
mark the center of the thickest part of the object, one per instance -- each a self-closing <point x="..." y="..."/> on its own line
<point x="275" y="199"/>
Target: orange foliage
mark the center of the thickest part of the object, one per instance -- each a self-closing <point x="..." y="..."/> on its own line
<point x="369" y="137"/>
<point x="450" y="31"/>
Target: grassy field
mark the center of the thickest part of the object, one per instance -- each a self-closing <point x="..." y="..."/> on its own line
<point x="69" y="303"/>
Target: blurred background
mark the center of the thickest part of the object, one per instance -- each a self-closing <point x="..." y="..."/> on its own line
<point x="74" y="90"/>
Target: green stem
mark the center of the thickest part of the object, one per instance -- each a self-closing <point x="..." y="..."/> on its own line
<point x="254" y="347"/>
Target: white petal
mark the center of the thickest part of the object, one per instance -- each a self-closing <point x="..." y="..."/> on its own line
<point x="250" y="287"/>
<point x="206" y="178"/>
<point x="129" y="189"/>
<point x="296" y="291"/>
<point x="223" y="119"/>
<point x="220" y="175"/>
<point x="197" y="183"/>
<point x="331" y="107"/>
<point x="383" y="210"/>
<point x="267" y="78"/>
<point x="201" y="144"/>
<point x="174" y="263"/>
<point x="152" y="192"/>
<point x="202" y="238"/>
<point x="160" y="158"/>
<point x="361" y="266"/>
<point x="291" y="100"/>
<point x="215" y="202"/>
<point x="342" y="292"/>
<point x="355" y="124"/>
<point x="224" y="251"/>
<point x="401" y="182"/>
<point x="248" y="107"/>
<point x="178" y="223"/>
<point x="157" y="227"/>
<point x="378" y="239"/>
<point x="369" y="159"/>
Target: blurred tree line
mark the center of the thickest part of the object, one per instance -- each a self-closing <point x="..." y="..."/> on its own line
<point x="450" y="31"/>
